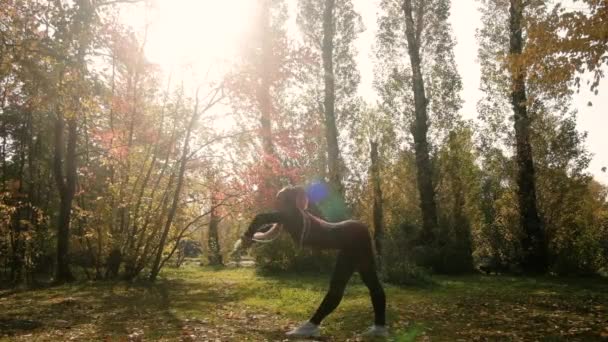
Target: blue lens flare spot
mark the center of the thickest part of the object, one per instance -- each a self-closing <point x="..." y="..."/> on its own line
<point x="317" y="192"/>
<point x="330" y="204"/>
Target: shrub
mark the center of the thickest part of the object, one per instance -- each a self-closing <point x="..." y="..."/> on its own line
<point x="401" y="260"/>
<point x="282" y="255"/>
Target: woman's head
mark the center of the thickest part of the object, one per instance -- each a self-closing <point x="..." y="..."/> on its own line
<point x="291" y="197"/>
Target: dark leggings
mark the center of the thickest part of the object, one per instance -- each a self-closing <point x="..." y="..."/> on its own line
<point x="348" y="261"/>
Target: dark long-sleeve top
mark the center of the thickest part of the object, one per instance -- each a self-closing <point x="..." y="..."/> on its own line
<point x="308" y="230"/>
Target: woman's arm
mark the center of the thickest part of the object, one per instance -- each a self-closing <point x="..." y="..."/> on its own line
<point x="258" y="221"/>
<point x="262" y="219"/>
<point x="269" y="235"/>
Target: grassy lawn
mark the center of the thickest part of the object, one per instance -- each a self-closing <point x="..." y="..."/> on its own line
<point x="199" y="304"/>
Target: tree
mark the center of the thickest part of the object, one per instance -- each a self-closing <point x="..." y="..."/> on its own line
<point x="564" y="195"/>
<point x="377" y="209"/>
<point x="71" y="77"/>
<point x="331" y="132"/>
<point x="265" y="65"/>
<point x="256" y="87"/>
<point x="458" y="199"/>
<point x="534" y="244"/>
<point x="502" y="54"/>
<point x="330" y="76"/>
<point x="67" y="188"/>
<point x="213" y="243"/>
<point x="553" y="148"/>
<point x="24" y="177"/>
<point x="212" y="99"/>
<point x="565" y="43"/>
<point x="214" y="254"/>
<point x="418" y="87"/>
<point x="413" y="33"/>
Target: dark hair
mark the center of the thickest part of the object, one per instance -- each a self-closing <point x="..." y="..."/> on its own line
<point x="286" y="197"/>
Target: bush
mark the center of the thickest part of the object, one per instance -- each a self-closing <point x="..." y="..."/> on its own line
<point x="406" y="273"/>
<point x="401" y="260"/>
<point x="282" y="255"/>
<point x="580" y="256"/>
<point x="454" y="258"/>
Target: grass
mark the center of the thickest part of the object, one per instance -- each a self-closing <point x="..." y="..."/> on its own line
<point x="198" y="304"/>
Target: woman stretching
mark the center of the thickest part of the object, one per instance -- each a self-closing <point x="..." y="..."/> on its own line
<point x="351" y="239"/>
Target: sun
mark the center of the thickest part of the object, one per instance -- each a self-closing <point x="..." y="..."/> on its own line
<point x="199" y="34"/>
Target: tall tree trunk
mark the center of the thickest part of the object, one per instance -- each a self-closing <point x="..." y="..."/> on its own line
<point x="533" y="243"/>
<point x="67" y="188"/>
<point x="3" y="153"/>
<point x="213" y="241"/>
<point x="67" y="185"/>
<point x="16" y="228"/>
<point x="33" y="180"/>
<point x="17" y="247"/>
<point x="4" y="135"/>
<point x="331" y="131"/>
<point x="263" y="91"/>
<point x="378" y="218"/>
<point x="265" y="105"/>
<point x="420" y="127"/>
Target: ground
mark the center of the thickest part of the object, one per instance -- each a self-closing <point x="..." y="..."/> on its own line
<point x="205" y="304"/>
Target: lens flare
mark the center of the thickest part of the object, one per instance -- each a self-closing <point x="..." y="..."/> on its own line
<point x="317" y="191"/>
<point x="330" y="203"/>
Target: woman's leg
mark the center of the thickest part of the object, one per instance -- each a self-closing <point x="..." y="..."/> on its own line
<point x="369" y="276"/>
<point x="342" y="272"/>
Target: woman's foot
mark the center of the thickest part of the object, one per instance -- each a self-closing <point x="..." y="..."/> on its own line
<point x="376" y="331"/>
<point x="307" y="329"/>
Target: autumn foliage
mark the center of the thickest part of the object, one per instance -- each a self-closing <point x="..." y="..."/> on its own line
<point x="111" y="166"/>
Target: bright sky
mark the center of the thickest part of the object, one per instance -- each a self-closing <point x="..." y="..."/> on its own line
<point x="207" y="34"/>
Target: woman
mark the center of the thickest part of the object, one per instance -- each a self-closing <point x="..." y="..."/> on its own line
<point x="351" y="239"/>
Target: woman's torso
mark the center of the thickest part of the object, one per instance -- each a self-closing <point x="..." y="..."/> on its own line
<point x="311" y="231"/>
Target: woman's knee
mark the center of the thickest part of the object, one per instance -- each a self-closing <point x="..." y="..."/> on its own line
<point x="335" y="292"/>
<point x="373" y="283"/>
<point x="377" y="291"/>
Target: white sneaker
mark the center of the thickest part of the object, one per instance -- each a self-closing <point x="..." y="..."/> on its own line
<point x="376" y="331"/>
<point x="307" y="329"/>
